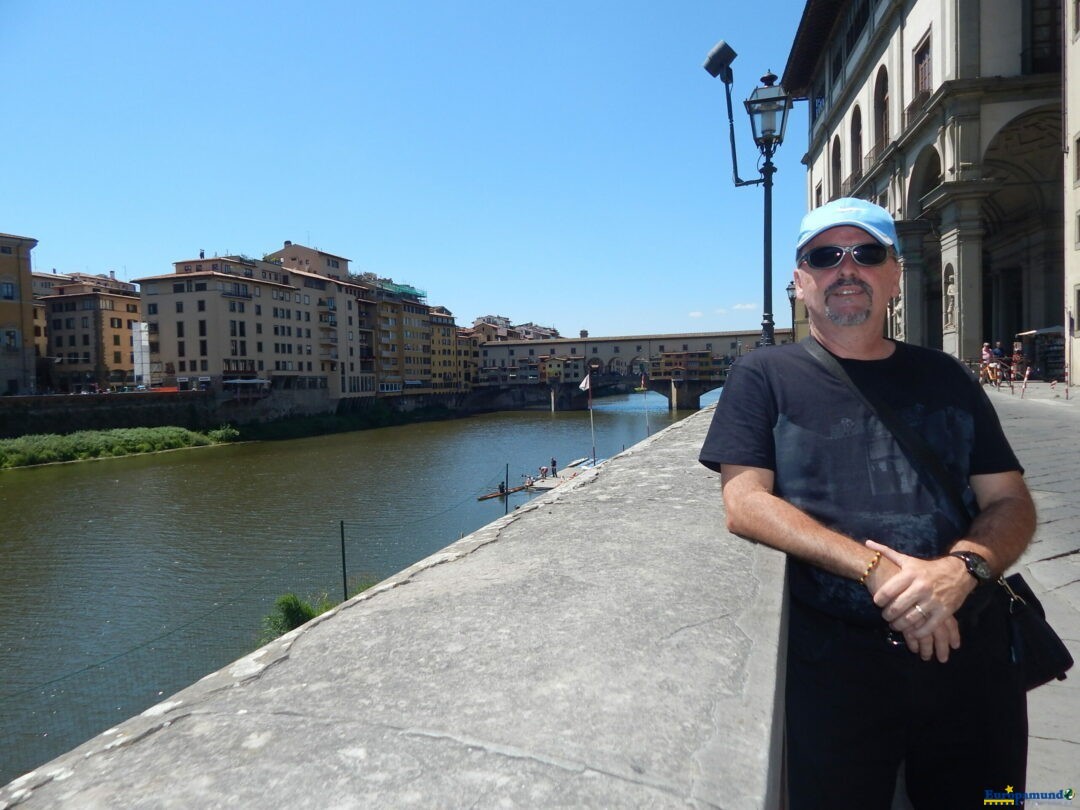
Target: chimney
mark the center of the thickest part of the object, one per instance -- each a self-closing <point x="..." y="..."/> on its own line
<point x="202" y="253"/>
<point x="288" y="243"/>
<point x="112" y="275"/>
<point x="584" y="333"/>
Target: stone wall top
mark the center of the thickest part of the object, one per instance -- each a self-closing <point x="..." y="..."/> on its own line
<point x="608" y="644"/>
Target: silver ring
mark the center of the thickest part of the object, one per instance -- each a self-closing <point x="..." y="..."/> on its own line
<point x="922" y="613"/>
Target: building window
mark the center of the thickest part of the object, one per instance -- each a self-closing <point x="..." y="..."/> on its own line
<point x="881" y="112"/>
<point x="116" y="358"/>
<point x="179" y="306"/>
<point x="922" y="68"/>
<point x="835" y="170"/>
<point x="7" y="291"/>
<point x="151" y="309"/>
<point x="1044" y="38"/>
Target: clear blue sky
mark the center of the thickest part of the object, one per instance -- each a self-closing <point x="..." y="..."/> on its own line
<point x="564" y="162"/>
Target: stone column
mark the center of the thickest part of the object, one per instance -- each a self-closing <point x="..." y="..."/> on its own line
<point x="961" y="264"/>
<point x="913" y="280"/>
<point x="959" y="206"/>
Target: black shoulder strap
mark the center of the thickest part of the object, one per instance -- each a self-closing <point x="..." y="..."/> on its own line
<point x="922" y="457"/>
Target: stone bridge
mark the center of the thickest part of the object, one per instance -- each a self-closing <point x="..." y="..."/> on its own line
<point x="681" y="367"/>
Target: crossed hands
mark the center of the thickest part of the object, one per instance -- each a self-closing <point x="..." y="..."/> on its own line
<point x="919" y="599"/>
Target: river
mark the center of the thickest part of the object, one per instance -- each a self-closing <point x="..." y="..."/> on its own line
<point x="127" y="579"/>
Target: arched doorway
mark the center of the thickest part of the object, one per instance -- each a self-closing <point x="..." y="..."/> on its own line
<point x="1023" y="226"/>
<point x="925" y="177"/>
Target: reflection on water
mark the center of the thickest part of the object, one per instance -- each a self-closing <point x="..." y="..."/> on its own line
<point x="126" y="579"/>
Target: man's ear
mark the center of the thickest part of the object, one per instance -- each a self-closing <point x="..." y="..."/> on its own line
<point x="798" y="284"/>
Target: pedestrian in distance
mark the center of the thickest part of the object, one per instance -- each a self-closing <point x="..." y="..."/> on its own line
<point x="898" y="643"/>
<point x="554" y="468"/>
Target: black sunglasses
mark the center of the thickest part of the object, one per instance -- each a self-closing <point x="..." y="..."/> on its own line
<point x="827" y="257"/>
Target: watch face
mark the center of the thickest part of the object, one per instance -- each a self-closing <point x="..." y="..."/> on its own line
<point x="976" y="565"/>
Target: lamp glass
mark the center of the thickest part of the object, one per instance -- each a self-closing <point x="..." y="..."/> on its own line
<point x="768" y="109"/>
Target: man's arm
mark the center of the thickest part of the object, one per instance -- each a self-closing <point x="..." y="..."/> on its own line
<point x="755" y="512"/>
<point x="1000" y="533"/>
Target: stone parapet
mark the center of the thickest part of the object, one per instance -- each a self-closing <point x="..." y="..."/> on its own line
<point x="608" y="644"/>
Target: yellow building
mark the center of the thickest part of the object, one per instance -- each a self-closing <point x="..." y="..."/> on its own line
<point x="403" y="338"/>
<point x="447" y="368"/>
<point x="93" y="350"/>
<point x="90" y="323"/>
<point x="17" y="364"/>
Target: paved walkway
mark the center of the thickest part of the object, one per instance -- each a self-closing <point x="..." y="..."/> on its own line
<point x="1044" y="428"/>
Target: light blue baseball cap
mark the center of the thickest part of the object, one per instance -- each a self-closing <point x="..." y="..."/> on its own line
<point x="872" y="218"/>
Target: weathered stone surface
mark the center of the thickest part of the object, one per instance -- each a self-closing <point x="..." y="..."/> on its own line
<point x="607" y="644"/>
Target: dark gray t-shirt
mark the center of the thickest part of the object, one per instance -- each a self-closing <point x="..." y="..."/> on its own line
<point x="781" y="410"/>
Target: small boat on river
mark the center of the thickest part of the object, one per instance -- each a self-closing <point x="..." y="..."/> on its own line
<point x="501" y="491"/>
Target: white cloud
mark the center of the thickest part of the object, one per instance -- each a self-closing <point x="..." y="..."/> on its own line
<point x="745" y="306"/>
<point x="696" y="314"/>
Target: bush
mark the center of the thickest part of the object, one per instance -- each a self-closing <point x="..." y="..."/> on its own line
<point x="225" y="433"/>
<point x="88" y="444"/>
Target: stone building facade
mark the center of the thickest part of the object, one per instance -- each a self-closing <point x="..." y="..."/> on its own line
<point x="949" y="114"/>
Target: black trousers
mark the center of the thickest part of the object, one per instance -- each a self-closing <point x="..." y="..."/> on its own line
<point x="858" y="706"/>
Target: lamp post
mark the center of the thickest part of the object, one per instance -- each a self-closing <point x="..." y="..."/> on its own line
<point x="768" y="108"/>
<point x="791" y="300"/>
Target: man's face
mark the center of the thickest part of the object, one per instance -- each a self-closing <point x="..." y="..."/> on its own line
<point x="849" y="294"/>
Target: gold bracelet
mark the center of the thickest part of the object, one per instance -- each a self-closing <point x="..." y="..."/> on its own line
<point x="870" y="567"/>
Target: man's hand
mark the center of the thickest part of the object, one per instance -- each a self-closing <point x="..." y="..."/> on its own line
<point x="920" y="599"/>
<point x="944" y="639"/>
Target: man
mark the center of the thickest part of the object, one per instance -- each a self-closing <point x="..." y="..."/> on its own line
<point x="898" y="643"/>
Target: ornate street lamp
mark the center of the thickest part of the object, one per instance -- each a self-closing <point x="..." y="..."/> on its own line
<point x="768" y="108"/>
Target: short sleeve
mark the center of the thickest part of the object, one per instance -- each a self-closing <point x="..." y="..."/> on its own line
<point x="741" y="432"/>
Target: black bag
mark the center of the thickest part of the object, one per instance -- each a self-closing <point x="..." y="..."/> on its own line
<point x="1037" y="650"/>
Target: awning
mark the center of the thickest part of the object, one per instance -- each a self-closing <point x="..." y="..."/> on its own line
<point x="1046" y="330"/>
<point x="245" y="382"/>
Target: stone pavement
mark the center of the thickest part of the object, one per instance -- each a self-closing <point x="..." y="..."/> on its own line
<point x="1044" y="428"/>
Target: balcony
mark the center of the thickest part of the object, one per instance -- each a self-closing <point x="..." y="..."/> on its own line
<point x="849" y="184"/>
<point x="916" y="107"/>
<point x="874" y="155"/>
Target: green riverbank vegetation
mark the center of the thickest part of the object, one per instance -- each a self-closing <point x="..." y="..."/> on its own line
<point x="51" y="448"/>
<point x="290" y="611"/>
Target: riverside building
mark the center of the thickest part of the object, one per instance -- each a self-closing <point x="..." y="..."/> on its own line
<point x="949" y="114"/>
<point x="17" y="357"/>
<point x="91" y="327"/>
<point x="250" y="325"/>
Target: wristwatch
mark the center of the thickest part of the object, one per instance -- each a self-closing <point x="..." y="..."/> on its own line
<point x="976" y="565"/>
